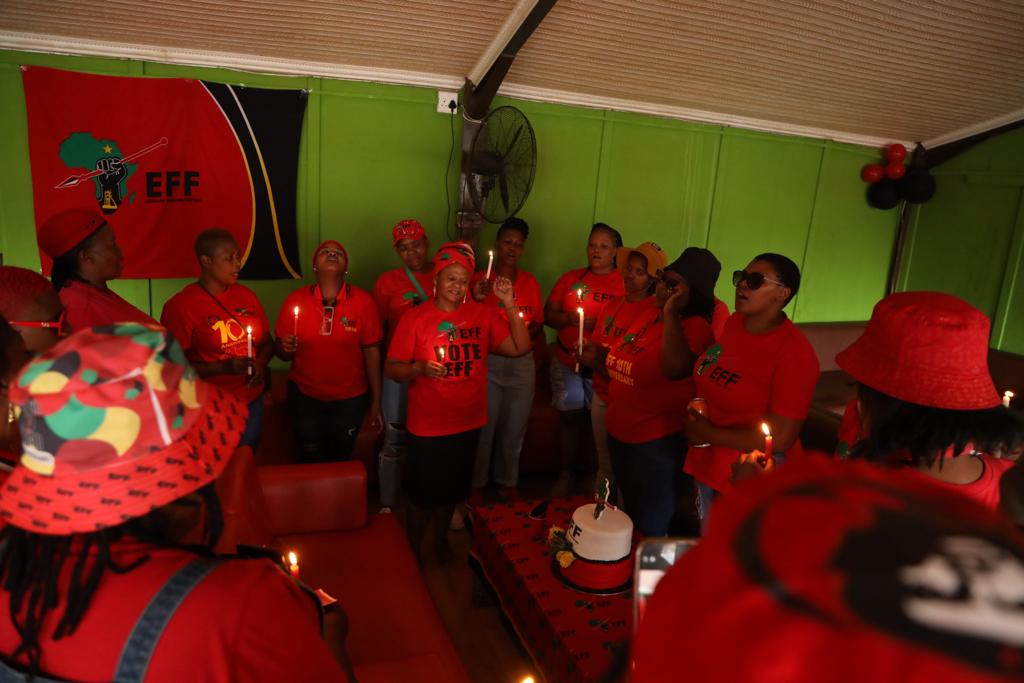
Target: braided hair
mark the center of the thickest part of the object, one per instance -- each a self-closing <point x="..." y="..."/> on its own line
<point x="65" y="266"/>
<point x="32" y="565"/>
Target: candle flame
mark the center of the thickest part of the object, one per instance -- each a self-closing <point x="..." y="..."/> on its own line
<point x="520" y="314"/>
<point x="293" y="558"/>
<point x="764" y="428"/>
<point x="528" y="679"/>
<point x="490" y="253"/>
<point x="1008" y="394"/>
<point x="248" y="329"/>
<point x="580" y="311"/>
<point x="296" y="311"/>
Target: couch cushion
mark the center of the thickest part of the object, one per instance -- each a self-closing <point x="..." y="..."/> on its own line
<point x="242" y="504"/>
<point x="373" y="574"/>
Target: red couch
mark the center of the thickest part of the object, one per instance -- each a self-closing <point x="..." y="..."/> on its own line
<point x="320" y="512"/>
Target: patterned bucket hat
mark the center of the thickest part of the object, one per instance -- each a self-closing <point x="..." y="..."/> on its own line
<point x="454" y="252"/>
<point x="114" y="422"/>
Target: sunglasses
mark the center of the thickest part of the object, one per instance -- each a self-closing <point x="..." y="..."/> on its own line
<point x="753" y="280"/>
<point x="667" y="282"/>
<point x="57" y="324"/>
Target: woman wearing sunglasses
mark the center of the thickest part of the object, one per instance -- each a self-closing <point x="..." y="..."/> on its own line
<point x="571" y="390"/>
<point x="30" y="304"/>
<point x="85" y="259"/>
<point x="650" y="371"/>
<point x="331" y="333"/>
<point x="762" y="370"/>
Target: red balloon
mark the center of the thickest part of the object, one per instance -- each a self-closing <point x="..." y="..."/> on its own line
<point x="895" y="152"/>
<point x="872" y="173"/>
<point x="894" y="170"/>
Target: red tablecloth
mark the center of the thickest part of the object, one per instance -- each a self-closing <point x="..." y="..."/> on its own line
<point x="569" y="634"/>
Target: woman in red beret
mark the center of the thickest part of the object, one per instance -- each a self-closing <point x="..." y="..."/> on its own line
<point x="330" y="333"/>
<point x="762" y="370"/>
<point x="440" y="349"/>
<point x="85" y="259"/>
<point x="925" y="397"/>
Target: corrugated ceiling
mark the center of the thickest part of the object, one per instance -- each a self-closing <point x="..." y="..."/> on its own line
<point x="872" y="70"/>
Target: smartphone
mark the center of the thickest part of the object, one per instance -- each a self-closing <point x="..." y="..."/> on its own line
<point x="654" y="557"/>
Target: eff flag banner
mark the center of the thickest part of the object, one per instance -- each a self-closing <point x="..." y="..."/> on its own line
<point x="166" y="158"/>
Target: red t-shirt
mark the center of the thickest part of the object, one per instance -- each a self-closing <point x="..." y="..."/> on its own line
<point x="985" y="489"/>
<point x="643" y="404"/>
<point x="87" y="306"/>
<point x="396" y="294"/>
<point x="849" y="428"/>
<point x="525" y="290"/>
<point x="245" y="621"/>
<point x="209" y="333"/>
<point x="456" y="402"/>
<point x="613" y="321"/>
<point x="330" y="367"/>
<point x="744" y="377"/>
<point x="718" y="317"/>
<point x="582" y="289"/>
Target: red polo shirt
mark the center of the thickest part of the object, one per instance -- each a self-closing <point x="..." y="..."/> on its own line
<point x="330" y="367"/>
<point x="643" y="404"/>
<point x="613" y="321"/>
<point x="212" y="327"/>
<point x="525" y="291"/>
<point x="245" y="621"/>
<point x="582" y="289"/>
<point x="396" y="294"/>
<point x="456" y="402"/>
<point x="88" y="306"/>
<point x="744" y="377"/>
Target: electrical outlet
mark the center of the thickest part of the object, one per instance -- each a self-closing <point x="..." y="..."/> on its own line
<point x="444" y="99"/>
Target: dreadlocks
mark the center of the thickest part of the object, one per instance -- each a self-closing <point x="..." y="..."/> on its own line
<point x="925" y="433"/>
<point x="32" y="566"/>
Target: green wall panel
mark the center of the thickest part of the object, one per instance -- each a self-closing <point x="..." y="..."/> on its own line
<point x="373" y="153"/>
<point x="764" y="198"/>
<point x="845" y="267"/>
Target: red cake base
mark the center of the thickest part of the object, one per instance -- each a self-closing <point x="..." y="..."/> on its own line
<point x="599" y="578"/>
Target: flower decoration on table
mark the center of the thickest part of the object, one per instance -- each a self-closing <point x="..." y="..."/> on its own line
<point x="560" y="546"/>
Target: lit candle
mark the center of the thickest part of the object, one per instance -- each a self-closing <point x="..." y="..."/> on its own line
<point x="248" y="338"/>
<point x="295" y="327"/>
<point x="579" y="295"/>
<point x="528" y="679"/>
<point x="1007" y="397"/>
<point x="293" y="564"/>
<point x="767" y="439"/>
<point x="490" y="262"/>
<point x="579" y="312"/>
<point x="439" y="353"/>
<point x="520" y="314"/>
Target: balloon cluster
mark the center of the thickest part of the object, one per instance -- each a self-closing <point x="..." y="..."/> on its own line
<point x="892" y="181"/>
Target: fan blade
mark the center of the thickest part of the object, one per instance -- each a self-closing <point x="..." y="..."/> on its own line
<point x="513" y="143"/>
<point x="503" y="186"/>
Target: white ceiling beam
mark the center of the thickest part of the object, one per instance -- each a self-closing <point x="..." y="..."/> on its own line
<point x="969" y="131"/>
<point x="493" y="50"/>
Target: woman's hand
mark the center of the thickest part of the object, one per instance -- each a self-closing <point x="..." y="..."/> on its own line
<point x="481" y="289"/>
<point x="678" y="301"/>
<point x="504" y="291"/>
<point x="237" y="365"/>
<point x="698" y="427"/>
<point x="591" y="354"/>
<point x="750" y="465"/>
<point x="289" y="343"/>
<point x="431" y="368"/>
<point x="376" y="418"/>
<point x="588" y="323"/>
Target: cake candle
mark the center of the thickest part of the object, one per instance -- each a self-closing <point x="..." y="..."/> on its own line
<point x="1007" y="397"/>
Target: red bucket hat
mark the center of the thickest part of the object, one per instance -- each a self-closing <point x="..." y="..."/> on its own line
<point x="454" y="252"/>
<point x="64" y="231"/>
<point x="114" y="422"/>
<point x="407" y="229"/>
<point x="842" y="572"/>
<point x="926" y="348"/>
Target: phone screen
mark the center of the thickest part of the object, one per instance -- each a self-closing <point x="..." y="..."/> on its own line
<point x="654" y="557"/>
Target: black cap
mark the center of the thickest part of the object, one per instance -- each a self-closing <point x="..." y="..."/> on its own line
<point x="699" y="268"/>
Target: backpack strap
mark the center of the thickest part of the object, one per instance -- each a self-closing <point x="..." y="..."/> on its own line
<point x="138" y="650"/>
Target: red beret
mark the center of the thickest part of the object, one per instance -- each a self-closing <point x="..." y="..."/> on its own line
<point x="64" y="231"/>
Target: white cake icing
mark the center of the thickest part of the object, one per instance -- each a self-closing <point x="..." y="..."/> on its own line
<point x="605" y="540"/>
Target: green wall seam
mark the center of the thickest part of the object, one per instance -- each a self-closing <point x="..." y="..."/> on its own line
<point x="1014" y="263"/>
<point x="810" y="225"/>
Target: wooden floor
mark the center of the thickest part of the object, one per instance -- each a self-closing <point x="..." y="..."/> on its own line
<point x="488" y="648"/>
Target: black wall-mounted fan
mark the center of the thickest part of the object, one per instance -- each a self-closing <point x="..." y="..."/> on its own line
<point x="502" y="164"/>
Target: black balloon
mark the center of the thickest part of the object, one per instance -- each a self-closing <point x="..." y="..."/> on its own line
<point x="884" y="194"/>
<point x="917" y="186"/>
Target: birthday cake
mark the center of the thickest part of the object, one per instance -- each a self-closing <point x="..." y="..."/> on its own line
<point x="600" y="540"/>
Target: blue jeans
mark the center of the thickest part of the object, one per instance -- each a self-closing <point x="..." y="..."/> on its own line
<point x="706" y="497"/>
<point x="510" y="387"/>
<point x="253" y="424"/>
<point x="569" y="390"/>
<point x="651" y="478"/>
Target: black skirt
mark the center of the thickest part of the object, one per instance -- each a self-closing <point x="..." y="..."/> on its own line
<point x="439" y="469"/>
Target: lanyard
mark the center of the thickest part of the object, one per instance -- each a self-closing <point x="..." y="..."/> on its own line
<point x="416" y="284"/>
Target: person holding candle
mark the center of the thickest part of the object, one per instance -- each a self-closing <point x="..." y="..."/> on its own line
<point x="85" y="259"/>
<point x="397" y="292"/>
<point x="639" y="268"/>
<point x="212" y="319"/>
<point x="926" y="398"/>
<point x="650" y="376"/>
<point x="141" y="450"/>
<point x="571" y="389"/>
<point x="448" y="399"/>
<point x="330" y="332"/>
<point x="762" y="369"/>
<point x="511" y="381"/>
